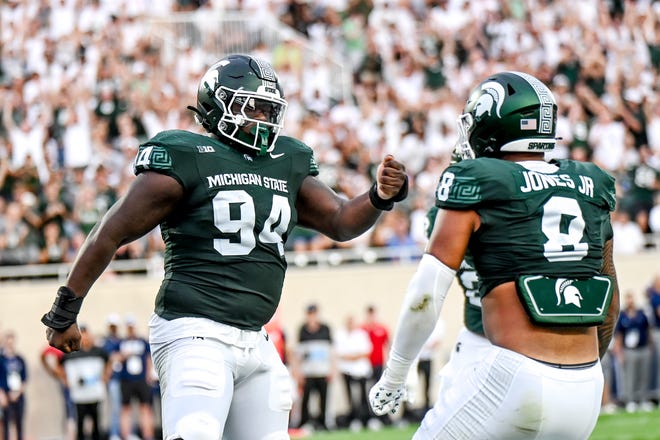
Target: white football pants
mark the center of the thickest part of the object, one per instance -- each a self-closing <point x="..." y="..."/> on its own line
<point x="508" y="396"/>
<point x="238" y="392"/>
<point x="469" y="349"/>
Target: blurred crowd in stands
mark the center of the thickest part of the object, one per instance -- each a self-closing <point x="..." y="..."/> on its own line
<point x="83" y="82"/>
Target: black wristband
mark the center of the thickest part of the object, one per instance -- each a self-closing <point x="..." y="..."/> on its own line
<point x="387" y="205"/>
<point x="64" y="312"/>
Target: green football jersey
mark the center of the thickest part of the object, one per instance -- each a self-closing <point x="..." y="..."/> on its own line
<point x="224" y="255"/>
<point x="552" y="223"/>
<point x="468" y="279"/>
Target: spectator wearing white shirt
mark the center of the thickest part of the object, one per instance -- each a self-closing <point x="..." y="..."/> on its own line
<point x="628" y="236"/>
<point x="93" y="17"/>
<point x="77" y="137"/>
<point x="315" y="79"/>
<point x="653" y="128"/>
<point x="62" y="18"/>
<point x="607" y="140"/>
<point x="413" y="148"/>
<point x="408" y="84"/>
<point x="352" y="348"/>
<point x="654" y="216"/>
<point x="86" y="374"/>
<point x="27" y="137"/>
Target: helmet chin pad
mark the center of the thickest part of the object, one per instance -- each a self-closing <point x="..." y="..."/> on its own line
<point x="258" y="137"/>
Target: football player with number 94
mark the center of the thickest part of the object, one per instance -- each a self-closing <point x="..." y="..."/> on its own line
<point x="540" y="237"/>
<point x="226" y="201"/>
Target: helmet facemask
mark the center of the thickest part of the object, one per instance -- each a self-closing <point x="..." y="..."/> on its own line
<point x="263" y="112"/>
<point x="463" y="149"/>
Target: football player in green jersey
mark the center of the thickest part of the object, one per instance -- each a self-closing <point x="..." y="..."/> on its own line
<point x="226" y="202"/>
<point x="541" y="239"/>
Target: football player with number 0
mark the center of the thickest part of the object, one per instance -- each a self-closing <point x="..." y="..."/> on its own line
<point x="226" y="201"/>
<point x="541" y="240"/>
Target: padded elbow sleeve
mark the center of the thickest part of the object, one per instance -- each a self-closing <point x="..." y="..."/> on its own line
<point x="419" y="312"/>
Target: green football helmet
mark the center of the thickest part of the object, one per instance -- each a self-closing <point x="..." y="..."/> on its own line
<point x="240" y="100"/>
<point x="507" y="112"/>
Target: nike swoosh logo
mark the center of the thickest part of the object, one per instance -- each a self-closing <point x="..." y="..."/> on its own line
<point x="275" y="156"/>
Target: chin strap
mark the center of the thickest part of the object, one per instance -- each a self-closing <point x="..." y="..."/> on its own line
<point x="262" y="134"/>
<point x="257" y="132"/>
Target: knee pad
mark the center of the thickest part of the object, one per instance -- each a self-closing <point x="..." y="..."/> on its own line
<point x="197" y="426"/>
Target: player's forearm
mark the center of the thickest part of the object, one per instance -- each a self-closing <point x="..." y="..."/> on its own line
<point x="321" y="209"/>
<point x="339" y="219"/>
<point x="419" y="313"/>
<point x="357" y="215"/>
<point x="354" y="218"/>
<point x="606" y="330"/>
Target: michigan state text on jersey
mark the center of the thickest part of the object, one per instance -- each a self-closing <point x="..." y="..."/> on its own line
<point x="234" y="221"/>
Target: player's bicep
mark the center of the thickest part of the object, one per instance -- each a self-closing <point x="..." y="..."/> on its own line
<point x="451" y="234"/>
<point x="149" y="200"/>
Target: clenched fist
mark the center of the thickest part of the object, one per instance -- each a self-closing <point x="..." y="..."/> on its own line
<point x="67" y="340"/>
<point x="391" y="179"/>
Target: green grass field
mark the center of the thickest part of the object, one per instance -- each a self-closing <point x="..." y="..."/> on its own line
<point x="619" y="426"/>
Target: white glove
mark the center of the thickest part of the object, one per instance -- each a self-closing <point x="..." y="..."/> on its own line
<point x="386" y="395"/>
